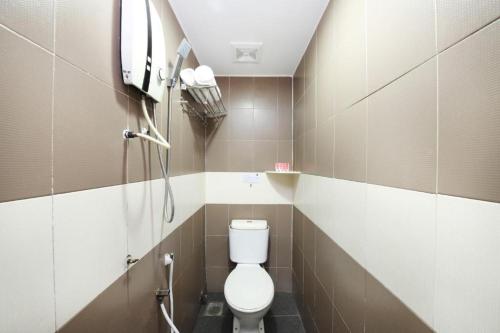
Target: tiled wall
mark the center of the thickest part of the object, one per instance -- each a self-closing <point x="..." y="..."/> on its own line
<point x="257" y="132"/>
<point x="77" y="102"/>
<point x="376" y="118"/>
<point x="218" y="264"/>
<point x="73" y="193"/>
<point x="336" y="294"/>
<point x="396" y="115"/>
<point x="128" y="304"/>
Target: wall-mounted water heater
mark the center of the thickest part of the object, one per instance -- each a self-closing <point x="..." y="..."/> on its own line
<point x="143" y="48"/>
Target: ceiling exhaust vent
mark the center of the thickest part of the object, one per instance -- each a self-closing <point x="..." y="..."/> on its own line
<point x="246" y="52"/>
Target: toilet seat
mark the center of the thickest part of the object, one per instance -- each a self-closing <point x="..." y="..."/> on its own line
<point x="249" y="288"/>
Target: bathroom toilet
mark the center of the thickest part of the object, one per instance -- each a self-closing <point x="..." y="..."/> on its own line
<point x="249" y="290"/>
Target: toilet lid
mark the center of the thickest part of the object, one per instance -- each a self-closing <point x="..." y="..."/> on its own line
<point x="249" y="288"/>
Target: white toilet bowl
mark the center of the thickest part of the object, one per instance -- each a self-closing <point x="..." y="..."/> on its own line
<point x="249" y="292"/>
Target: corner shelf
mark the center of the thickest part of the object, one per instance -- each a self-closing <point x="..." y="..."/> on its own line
<point x="270" y="172"/>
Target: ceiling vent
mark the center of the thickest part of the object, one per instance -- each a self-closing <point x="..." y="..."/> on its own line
<point x="246" y="52"/>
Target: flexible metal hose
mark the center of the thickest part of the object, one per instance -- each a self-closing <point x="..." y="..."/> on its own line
<point x="168" y="193"/>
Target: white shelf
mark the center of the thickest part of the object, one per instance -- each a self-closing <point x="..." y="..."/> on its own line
<point x="283" y="172"/>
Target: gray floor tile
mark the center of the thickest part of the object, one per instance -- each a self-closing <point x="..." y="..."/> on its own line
<point x="283" y="317"/>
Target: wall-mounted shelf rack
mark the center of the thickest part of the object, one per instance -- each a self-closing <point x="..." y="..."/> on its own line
<point x="210" y="99"/>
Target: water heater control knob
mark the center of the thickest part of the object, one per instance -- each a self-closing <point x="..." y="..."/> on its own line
<point x="162" y="75"/>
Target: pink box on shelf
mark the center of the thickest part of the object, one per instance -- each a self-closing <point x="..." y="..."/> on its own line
<point x="282" y="167"/>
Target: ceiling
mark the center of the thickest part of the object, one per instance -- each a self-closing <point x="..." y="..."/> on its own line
<point x="284" y="27"/>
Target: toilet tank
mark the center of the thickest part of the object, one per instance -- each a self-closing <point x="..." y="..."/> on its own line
<point x="248" y="241"/>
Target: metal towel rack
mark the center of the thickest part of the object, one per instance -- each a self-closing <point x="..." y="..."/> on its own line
<point x="210" y="100"/>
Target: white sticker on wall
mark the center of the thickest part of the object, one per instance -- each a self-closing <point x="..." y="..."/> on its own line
<point x="251" y="178"/>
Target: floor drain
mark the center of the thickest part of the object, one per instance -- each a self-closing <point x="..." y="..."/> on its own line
<point x="214" y="309"/>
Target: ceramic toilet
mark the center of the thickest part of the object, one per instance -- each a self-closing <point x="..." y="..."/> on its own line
<point x="249" y="290"/>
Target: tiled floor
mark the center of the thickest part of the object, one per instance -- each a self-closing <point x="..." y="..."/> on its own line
<point x="283" y="317"/>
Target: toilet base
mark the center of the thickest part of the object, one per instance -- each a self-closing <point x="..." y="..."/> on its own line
<point x="249" y="325"/>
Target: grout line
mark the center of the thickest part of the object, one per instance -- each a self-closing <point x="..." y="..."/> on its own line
<point x="26" y="39"/>
<point x="92" y="76"/>
<point x="52" y="162"/>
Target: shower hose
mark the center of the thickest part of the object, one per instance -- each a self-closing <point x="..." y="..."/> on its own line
<point x="169" y="262"/>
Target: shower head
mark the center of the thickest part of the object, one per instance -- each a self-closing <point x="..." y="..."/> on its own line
<point x="182" y="53"/>
<point x="184" y="48"/>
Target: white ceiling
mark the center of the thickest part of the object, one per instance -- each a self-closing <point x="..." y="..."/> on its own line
<point x="283" y="26"/>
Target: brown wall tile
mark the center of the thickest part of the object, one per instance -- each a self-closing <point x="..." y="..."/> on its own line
<point x="223" y="83"/>
<point x="298" y="267"/>
<point x="241" y="92"/>
<point x="298" y="228"/>
<point x="88" y="118"/>
<point x="285" y="102"/>
<point x="386" y="313"/>
<point x="272" y="252"/>
<point x="325" y="74"/>
<point x="26" y="127"/>
<point x="325" y="248"/>
<point x="285" y="153"/>
<point x="265" y="155"/>
<point x="142" y="158"/>
<point x="284" y="220"/>
<point x="399" y="37"/>
<point x="284" y="251"/>
<point x="323" y="313"/>
<point x="216" y="277"/>
<point x="284" y="280"/>
<point x="217" y="220"/>
<point x="241" y="154"/>
<point x="401" y="132"/>
<point x="266" y="93"/>
<point x="99" y="55"/>
<point x="268" y="213"/>
<point x="217" y="156"/>
<point x="310" y="107"/>
<point x="309" y="241"/>
<point x="325" y="148"/>
<point x="240" y="212"/>
<point x="309" y="157"/>
<point x="458" y="19"/>
<point x="339" y="326"/>
<point x="265" y="124"/>
<point x="350" y="143"/>
<point x="469" y="117"/>
<point x="256" y="132"/>
<point x="242" y="124"/>
<point x="298" y="153"/>
<point x="34" y="20"/>
<point x="217" y="251"/>
<point x="349" y="289"/>
<point x="310" y="62"/>
<point x="299" y="81"/>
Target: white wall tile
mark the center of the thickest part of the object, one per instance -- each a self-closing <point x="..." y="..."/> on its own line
<point x="90" y="244"/>
<point x="324" y="203"/>
<point x="305" y="195"/>
<point x="349" y="218"/>
<point x="230" y="188"/>
<point x="458" y="18"/>
<point x="139" y="218"/>
<point x="401" y="35"/>
<point x="26" y="275"/>
<point x="468" y="265"/>
<point x="401" y="241"/>
<point x="189" y="196"/>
